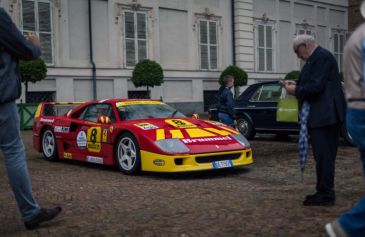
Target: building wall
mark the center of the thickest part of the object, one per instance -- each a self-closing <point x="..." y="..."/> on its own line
<point x="322" y="18"/>
<point x="173" y="41"/>
<point x="355" y="18"/>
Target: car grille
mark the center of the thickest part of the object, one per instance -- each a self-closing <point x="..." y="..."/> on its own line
<point x="208" y="159"/>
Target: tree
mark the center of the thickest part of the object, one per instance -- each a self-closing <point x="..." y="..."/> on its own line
<point x="147" y="73"/>
<point x="240" y="77"/>
<point x="292" y="75"/>
<point x="32" y="71"/>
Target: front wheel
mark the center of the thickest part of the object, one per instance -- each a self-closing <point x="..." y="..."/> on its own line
<point x="127" y="154"/>
<point x="246" y="128"/>
<point x="49" y="146"/>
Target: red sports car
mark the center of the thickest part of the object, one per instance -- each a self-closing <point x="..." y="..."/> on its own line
<point x="136" y="135"/>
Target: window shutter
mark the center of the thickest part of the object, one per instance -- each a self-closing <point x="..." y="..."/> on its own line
<point x="45" y="31"/>
<point x="129" y="25"/>
<point x="141" y="26"/>
<point x="28" y="16"/>
<point x="204" y="47"/>
<point x="44" y="15"/>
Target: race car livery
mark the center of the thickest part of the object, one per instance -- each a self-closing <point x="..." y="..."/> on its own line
<point x="136" y="135"/>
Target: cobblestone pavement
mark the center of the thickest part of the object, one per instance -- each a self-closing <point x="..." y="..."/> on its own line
<point x="262" y="200"/>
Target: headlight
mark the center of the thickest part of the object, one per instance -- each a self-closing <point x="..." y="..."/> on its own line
<point x="172" y="145"/>
<point x="241" y="139"/>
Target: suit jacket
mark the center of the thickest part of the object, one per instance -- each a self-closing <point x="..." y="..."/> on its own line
<point x="13" y="47"/>
<point x="319" y="84"/>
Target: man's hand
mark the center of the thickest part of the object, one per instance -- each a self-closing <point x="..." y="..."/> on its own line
<point x="290" y="87"/>
<point x="33" y="38"/>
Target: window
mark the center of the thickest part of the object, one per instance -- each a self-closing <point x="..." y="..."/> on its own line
<point x="338" y="44"/>
<point x="37" y="17"/>
<point x="208" y="44"/>
<point x="264" y="47"/>
<point x="92" y="112"/>
<point x="267" y="93"/>
<point x="135" y="37"/>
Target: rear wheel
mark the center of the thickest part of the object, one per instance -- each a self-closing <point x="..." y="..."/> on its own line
<point x="246" y="128"/>
<point x="127" y="154"/>
<point x="49" y="146"/>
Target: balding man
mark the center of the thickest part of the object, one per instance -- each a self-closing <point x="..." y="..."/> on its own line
<point x="323" y="108"/>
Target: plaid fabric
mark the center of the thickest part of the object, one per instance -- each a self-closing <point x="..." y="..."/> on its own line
<point x="303" y="135"/>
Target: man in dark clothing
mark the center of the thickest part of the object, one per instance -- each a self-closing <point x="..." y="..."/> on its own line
<point x="319" y="90"/>
<point x="14" y="47"/>
<point x="226" y="112"/>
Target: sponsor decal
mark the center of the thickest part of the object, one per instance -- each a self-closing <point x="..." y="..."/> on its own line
<point x="143" y="102"/>
<point x="95" y="159"/>
<point x="81" y="140"/>
<point x="146" y="126"/>
<point x="159" y="162"/>
<point x="47" y="120"/>
<point x="111" y="129"/>
<point x="206" y="139"/>
<point x="67" y="155"/>
<point x="93" y="139"/>
<point x="180" y="123"/>
<point x="61" y="129"/>
<point x="105" y="135"/>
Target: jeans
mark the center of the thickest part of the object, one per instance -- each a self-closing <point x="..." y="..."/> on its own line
<point x="12" y="147"/>
<point x="226" y="119"/>
<point x="353" y="222"/>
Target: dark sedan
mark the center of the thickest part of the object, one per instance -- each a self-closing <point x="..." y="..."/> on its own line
<point x="256" y="112"/>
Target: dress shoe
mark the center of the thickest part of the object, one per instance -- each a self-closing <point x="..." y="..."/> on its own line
<point x="43" y="216"/>
<point x="319" y="200"/>
<point x="311" y="196"/>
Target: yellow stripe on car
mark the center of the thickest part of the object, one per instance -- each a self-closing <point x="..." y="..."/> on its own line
<point x="230" y="130"/>
<point x="220" y="132"/>
<point x="160" y="134"/>
<point x="176" y="133"/>
<point x="197" y="132"/>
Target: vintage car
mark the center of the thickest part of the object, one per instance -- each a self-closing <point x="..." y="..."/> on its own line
<point x="136" y="135"/>
<point x="256" y="112"/>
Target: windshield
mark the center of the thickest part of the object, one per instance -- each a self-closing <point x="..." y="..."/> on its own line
<point x="131" y="110"/>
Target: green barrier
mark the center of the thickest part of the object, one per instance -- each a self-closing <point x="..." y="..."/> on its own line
<point x="26" y="113"/>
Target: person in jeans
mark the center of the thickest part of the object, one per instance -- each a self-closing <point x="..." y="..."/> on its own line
<point x="226" y="113"/>
<point x="352" y="223"/>
<point x="14" y="47"/>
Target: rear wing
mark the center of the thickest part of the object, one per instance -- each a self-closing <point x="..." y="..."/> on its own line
<point x="55" y="108"/>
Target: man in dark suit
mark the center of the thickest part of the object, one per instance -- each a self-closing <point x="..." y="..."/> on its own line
<point x="319" y="88"/>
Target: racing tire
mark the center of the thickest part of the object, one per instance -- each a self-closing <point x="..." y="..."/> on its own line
<point x="127" y="154"/>
<point x="245" y="127"/>
<point x="346" y="136"/>
<point x="49" y="145"/>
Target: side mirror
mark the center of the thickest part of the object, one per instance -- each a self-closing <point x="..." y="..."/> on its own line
<point x="104" y="119"/>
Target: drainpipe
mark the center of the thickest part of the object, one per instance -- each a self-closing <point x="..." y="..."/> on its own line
<point x="91" y="51"/>
<point x="233" y="34"/>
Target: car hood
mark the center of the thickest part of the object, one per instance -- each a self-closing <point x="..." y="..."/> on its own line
<point x="200" y="136"/>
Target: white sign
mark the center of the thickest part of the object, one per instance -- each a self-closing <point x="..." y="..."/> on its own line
<point x="81" y="140"/>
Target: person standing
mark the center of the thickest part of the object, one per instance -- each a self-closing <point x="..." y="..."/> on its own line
<point x="14" y="47"/>
<point x="352" y="223"/>
<point x="226" y="113"/>
<point x="322" y="101"/>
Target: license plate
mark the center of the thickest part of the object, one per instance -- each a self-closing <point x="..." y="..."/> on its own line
<point x="222" y="164"/>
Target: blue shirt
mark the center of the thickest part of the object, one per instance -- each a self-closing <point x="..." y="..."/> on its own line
<point x="13" y="47"/>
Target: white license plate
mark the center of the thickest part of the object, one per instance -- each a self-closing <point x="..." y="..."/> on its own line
<point x="222" y="164"/>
